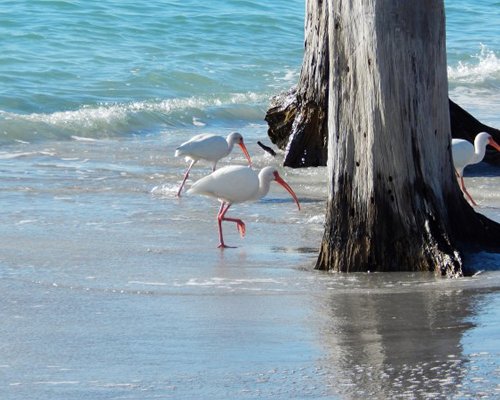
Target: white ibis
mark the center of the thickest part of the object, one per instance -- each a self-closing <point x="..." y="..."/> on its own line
<point x="464" y="153"/>
<point x="237" y="184"/>
<point x="209" y="147"/>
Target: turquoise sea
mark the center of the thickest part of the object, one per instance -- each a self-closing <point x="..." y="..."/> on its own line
<point x="112" y="288"/>
<point x="119" y="68"/>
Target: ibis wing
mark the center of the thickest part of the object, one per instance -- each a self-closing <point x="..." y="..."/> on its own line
<point x="233" y="184"/>
<point x="204" y="146"/>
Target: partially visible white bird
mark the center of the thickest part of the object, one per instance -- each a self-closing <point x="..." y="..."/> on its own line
<point x="237" y="184"/>
<point x="211" y="148"/>
<point x="464" y="153"/>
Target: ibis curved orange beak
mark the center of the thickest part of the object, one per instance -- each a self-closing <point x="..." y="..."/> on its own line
<point x="491" y="142"/>
<point x="287" y="187"/>
<point x="245" y="151"/>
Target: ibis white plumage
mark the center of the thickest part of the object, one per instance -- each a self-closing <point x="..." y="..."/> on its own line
<point x="464" y="153"/>
<point x="210" y="148"/>
<point x="237" y="184"/>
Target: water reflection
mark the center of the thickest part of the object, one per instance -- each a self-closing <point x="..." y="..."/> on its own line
<point x="398" y="343"/>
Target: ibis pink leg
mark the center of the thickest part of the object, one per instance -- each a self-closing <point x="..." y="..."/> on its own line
<point x="462" y="184"/>
<point x="186" y="175"/>
<point x="221" y="217"/>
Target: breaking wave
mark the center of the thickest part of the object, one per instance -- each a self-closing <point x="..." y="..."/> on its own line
<point x="482" y="67"/>
<point x="114" y="120"/>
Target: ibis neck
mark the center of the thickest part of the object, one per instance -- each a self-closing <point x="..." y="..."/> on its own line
<point x="479" y="152"/>
<point x="230" y="145"/>
<point x="264" y="186"/>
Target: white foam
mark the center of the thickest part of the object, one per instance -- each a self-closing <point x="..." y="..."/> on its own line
<point x="216" y="281"/>
<point x="164" y="190"/>
<point x="83" y="139"/>
<point x="317" y="219"/>
<point x="84" y="117"/>
<point x="147" y="283"/>
<point x="482" y="66"/>
<point x="10" y="156"/>
<point x="26" y="221"/>
<point x="198" y="122"/>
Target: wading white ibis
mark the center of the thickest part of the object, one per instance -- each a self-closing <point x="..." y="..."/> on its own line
<point x="464" y="153"/>
<point x="209" y="147"/>
<point x="237" y="184"/>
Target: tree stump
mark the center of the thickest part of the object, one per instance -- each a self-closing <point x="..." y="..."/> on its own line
<point x="393" y="202"/>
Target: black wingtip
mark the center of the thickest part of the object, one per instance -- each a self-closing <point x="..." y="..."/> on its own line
<point x="267" y="149"/>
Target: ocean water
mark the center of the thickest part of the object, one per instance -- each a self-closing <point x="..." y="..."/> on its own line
<point x="112" y="288"/>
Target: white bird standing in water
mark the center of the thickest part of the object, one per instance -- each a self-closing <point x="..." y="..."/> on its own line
<point x="237" y="184"/>
<point x="211" y="148"/>
<point x="464" y="153"/>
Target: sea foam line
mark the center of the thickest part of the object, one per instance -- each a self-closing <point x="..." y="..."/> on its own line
<point x="87" y="116"/>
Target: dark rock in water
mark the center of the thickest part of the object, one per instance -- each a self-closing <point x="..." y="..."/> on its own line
<point x="280" y="117"/>
<point x="300" y="128"/>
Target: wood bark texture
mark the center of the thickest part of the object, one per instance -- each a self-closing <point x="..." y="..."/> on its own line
<point x="389" y="164"/>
